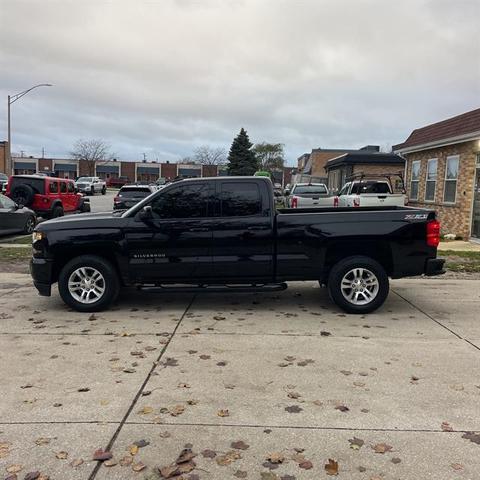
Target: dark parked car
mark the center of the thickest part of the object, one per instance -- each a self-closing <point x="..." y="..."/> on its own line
<point x="15" y="218"/>
<point x="219" y="233"/>
<point x="130" y="195"/>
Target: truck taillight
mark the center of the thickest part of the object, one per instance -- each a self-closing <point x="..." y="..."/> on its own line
<point x="356" y="202"/>
<point x="294" y="202"/>
<point x="335" y="201"/>
<point x="433" y="233"/>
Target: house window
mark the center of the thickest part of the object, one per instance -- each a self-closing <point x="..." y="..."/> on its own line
<point x="431" y="180"/>
<point x="451" y="176"/>
<point x="414" y="180"/>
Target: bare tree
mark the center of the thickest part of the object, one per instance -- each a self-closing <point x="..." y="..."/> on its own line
<point x="207" y="155"/>
<point x="93" y="152"/>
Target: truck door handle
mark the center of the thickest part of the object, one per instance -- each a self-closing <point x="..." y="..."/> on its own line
<point x="198" y="229"/>
<point x="258" y="228"/>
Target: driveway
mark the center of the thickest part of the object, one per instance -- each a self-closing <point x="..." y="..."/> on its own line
<point x="264" y="386"/>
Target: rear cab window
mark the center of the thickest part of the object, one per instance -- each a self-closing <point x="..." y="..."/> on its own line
<point x="310" y="189"/>
<point x="130" y="192"/>
<point x="240" y="199"/>
<point x="53" y="187"/>
<point x="371" y="187"/>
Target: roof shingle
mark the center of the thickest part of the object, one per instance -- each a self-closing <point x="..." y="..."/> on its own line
<point x="463" y="124"/>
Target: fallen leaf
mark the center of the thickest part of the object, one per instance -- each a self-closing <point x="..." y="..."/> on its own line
<point x="356" y="443"/>
<point x="133" y="449"/>
<point x="145" y="411"/>
<point x="223" y="413"/>
<point x="126" y="461"/>
<point x="457" y="466"/>
<point x="472" y="436"/>
<point x="446" y="427"/>
<point x="293" y="409"/>
<point x="396" y="460"/>
<point x="138" y="467"/>
<point x="141" y="443"/>
<point x="306" y="465"/>
<point x="269" y="476"/>
<point x="342" y="408"/>
<point x="14" y="468"/>
<point x="61" y="455"/>
<point x="240" y="474"/>
<point x="276" y="457"/>
<point x="331" y="468"/>
<point x="207" y="453"/>
<point x="32" y="476"/>
<point x="83" y="389"/>
<point x="382" y="448"/>
<point x="42" y="441"/>
<point x="176" y="410"/>
<point x="102" y="455"/>
<point x="293" y="395"/>
<point x="76" y="463"/>
<point x="111" y="463"/>
<point x="205" y="357"/>
<point x="185" y="456"/>
<point x="240" y="445"/>
<point x="228" y="458"/>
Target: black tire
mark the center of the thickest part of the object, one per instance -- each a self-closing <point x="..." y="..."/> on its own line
<point x="111" y="283"/>
<point x="342" y="269"/>
<point x="29" y="226"/>
<point x="57" y="212"/>
<point x="23" y="195"/>
<point x="104" y="190"/>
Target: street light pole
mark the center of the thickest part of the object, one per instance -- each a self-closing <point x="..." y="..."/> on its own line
<point x="12" y="99"/>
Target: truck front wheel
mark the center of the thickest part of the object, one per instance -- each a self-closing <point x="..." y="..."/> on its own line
<point x="358" y="284"/>
<point x="88" y="283"/>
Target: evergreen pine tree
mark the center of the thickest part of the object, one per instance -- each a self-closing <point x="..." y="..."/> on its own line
<point x="241" y="158"/>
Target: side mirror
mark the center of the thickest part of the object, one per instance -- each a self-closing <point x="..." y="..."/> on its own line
<point x="145" y="213"/>
<point x="287" y="193"/>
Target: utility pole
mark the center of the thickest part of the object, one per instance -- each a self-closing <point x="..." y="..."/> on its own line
<point x="12" y="99"/>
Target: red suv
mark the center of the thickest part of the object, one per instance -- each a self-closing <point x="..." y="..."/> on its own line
<point x="49" y="197"/>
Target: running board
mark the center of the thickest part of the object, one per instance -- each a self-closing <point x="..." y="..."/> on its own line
<point x="267" y="287"/>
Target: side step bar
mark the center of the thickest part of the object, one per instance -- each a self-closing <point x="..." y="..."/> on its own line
<point x="266" y="287"/>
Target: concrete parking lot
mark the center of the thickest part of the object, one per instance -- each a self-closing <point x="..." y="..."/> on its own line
<point x="102" y="203"/>
<point x="263" y="386"/>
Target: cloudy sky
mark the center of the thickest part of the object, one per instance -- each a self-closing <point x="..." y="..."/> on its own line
<point x="164" y="76"/>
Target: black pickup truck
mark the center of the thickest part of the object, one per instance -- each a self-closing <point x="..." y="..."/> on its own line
<point x="225" y="233"/>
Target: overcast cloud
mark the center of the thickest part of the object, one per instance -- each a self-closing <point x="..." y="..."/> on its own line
<point x="165" y="76"/>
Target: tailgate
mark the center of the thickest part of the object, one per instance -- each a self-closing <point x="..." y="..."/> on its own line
<point x="382" y="200"/>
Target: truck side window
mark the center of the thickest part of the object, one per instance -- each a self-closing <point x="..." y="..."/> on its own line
<point x="53" y="187"/>
<point x="70" y="187"/>
<point x="240" y="199"/>
<point x="63" y="187"/>
<point x="184" y="201"/>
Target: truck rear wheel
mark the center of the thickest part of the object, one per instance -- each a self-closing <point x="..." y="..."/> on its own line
<point x="358" y="284"/>
<point x="88" y="283"/>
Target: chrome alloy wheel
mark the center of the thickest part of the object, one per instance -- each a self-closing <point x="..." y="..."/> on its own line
<point x="359" y="286"/>
<point x="86" y="285"/>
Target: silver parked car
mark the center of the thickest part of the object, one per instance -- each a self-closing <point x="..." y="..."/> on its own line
<point x="309" y="195"/>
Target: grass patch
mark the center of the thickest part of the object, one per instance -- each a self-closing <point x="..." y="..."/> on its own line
<point x="456" y="261"/>
<point x="23" y="240"/>
<point x="15" y="254"/>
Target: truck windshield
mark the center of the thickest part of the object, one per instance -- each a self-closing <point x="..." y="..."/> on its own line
<point x="370" y="187"/>
<point x="85" y="179"/>
<point x="310" y="189"/>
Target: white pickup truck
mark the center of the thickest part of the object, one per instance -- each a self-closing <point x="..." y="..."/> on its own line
<point x="308" y="195"/>
<point x="91" y="185"/>
<point x="369" y="193"/>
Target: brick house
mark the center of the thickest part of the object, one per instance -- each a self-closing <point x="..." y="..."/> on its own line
<point x="442" y="171"/>
<point x="367" y="162"/>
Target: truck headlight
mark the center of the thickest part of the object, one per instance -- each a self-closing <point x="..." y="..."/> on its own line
<point x="37" y="236"/>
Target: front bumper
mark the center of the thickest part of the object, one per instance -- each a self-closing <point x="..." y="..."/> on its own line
<point x="434" y="266"/>
<point x="41" y="270"/>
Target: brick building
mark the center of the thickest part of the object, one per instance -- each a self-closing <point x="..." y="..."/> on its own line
<point x="3" y="156"/>
<point x="443" y="171"/>
<point x="367" y="162"/>
<point x="312" y="166"/>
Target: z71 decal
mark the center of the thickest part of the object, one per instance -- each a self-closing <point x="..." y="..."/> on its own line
<point x="416" y="216"/>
